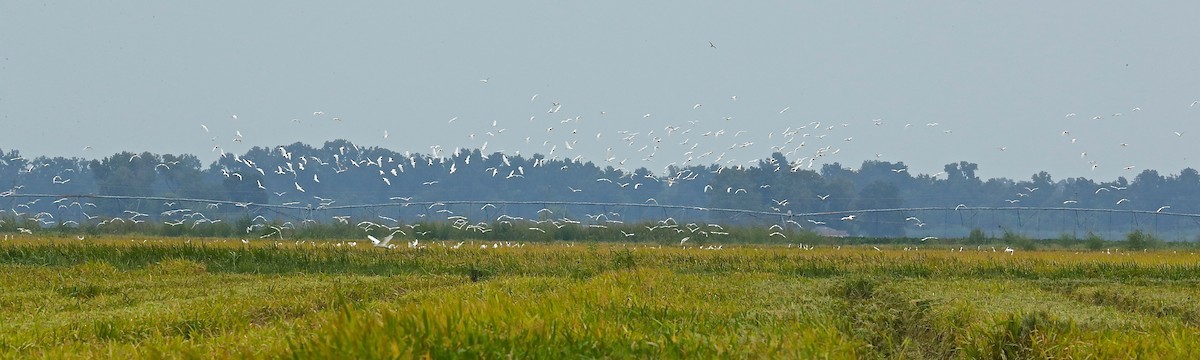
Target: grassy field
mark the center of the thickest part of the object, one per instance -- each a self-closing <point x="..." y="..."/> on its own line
<point x="205" y="298"/>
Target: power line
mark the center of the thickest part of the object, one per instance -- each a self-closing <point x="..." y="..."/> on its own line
<point x="605" y="204"/>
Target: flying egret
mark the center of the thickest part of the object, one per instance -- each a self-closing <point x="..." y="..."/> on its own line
<point x="381" y="243"/>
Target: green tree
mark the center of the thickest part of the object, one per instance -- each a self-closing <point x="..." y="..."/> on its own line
<point x="1094" y="242"/>
<point x="1138" y="240"/>
<point x="977" y="237"/>
<point x="245" y="188"/>
<point x="124" y="174"/>
<point x="881" y="195"/>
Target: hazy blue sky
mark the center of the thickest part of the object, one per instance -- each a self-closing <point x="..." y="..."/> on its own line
<point x="145" y="75"/>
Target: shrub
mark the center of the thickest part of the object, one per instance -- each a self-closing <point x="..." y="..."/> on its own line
<point x="1094" y="242"/>
<point x="1020" y="241"/>
<point x="977" y="237"/>
<point x="1068" y="240"/>
<point x="1138" y="240"/>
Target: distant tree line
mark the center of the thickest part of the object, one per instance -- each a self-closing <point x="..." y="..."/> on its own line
<point x="342" y="173"/>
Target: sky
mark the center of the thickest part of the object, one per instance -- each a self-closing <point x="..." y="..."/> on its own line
<point x="624" y="83"/>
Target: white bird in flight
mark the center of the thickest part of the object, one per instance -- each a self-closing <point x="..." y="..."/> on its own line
<point x="381" y="243"/>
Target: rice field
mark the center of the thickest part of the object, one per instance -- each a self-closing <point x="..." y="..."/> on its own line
<point x="132" y="297"/>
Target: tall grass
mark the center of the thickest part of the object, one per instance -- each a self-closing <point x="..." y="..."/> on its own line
<point x="194" y="297"/>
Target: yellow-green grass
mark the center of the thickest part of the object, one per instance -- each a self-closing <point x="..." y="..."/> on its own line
<point x="206" y="298"/>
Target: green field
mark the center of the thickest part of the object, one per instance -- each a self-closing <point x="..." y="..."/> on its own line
<point x="204" y="298"/>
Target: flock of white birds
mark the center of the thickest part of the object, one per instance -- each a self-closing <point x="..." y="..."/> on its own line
<point x="672" y="145"/>
<point x="666" y="145"/>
